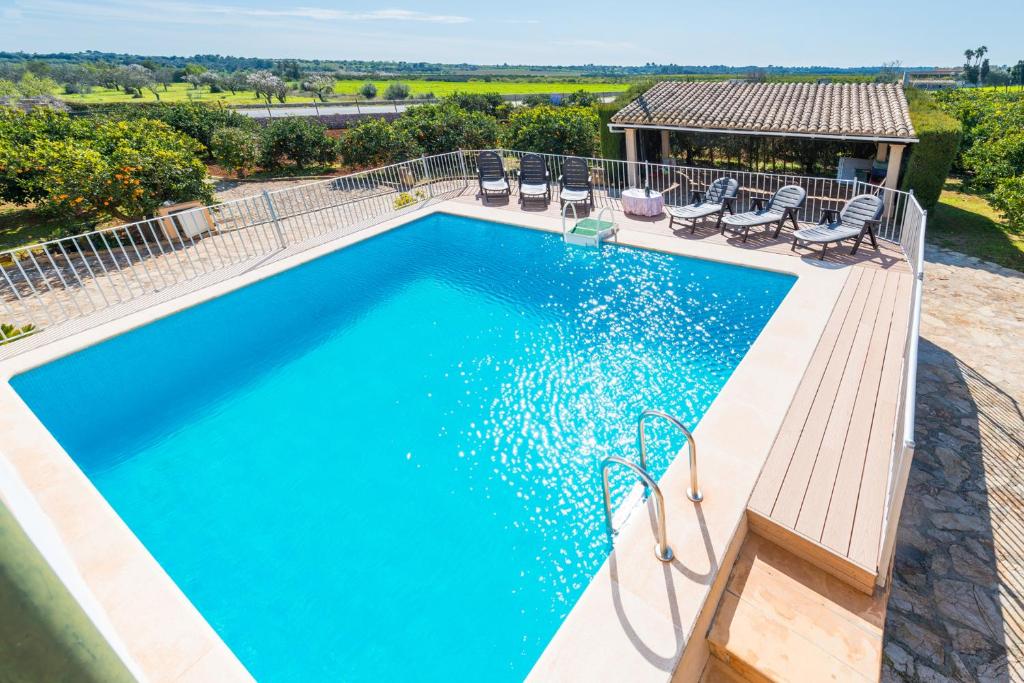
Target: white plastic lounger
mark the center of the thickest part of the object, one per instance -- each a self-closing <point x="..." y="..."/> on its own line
<point x="491" y="175"/>
<point x="858" y="217"/>
<point x="534" y="179"/>
<point x="783" y="205"/>
<point x="721" y="195"/>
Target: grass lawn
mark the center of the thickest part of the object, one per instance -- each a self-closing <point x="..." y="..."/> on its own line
<point x="184" y="92"/>
<point x="20" y="226"/>
<point x="967" y="223"/>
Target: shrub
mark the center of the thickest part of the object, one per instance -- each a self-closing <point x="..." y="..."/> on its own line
<point x="368" y="90"/>
<point x="932" y="157"/>
<point x="1009" y="199"/>
<point x="298" y="140"/>
<point x="554" y="130"/>
<point x="10" y="333"/>
<point x="612" y="144"/>
<point x="580" y="98"/>
<point x="485" y="103"/>
<point x="407" y="199"/>
<point x="375" y="142"/>
<point x="237" y="149"/>
<point x="439" y="128"/>
<point x="18" y="134"/>
<point x="198" y="121"/>
<point x="396" y="91"/>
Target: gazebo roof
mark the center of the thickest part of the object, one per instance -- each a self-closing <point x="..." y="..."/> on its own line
<point x="850" y="111"/>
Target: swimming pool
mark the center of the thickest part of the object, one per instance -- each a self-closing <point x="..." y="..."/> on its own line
<point x="385" y="461"/>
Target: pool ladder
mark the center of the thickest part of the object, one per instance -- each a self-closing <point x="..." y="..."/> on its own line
<point x="662" y="550"/>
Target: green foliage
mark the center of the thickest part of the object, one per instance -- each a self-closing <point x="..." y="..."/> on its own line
<point x="8" y="88"/>
<point x="1009" y="199"/>
<point x="932" y="157"/>
<point x="368" y="90"/>
<point x="376" y="142"/>
<point x="612" y="144"/>
<point x="407" y="199"/>
<point x="298" y="140"/>
<point x="491" y="104"/>
<point x="397" y="91"/>
<point x="438" y="128"/>
<point x="10" y="333"/>
<point x="992" y="159"/>
<point x="91" y="171"/>
<point x="580" y="98"/>
<point x="237" y="149"/>
<point x="554" y="130"/>
<point x="31" y="85"/>
<point x="198" y="121"/>
<point x="19" y="169"/>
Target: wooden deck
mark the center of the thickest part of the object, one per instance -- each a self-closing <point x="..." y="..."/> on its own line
<point x="821" y="493"/>
<point x="822" y="490"/>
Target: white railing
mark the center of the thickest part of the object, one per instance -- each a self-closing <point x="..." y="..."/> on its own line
<point x="61" y="286"/>
<point x="914" y="224"/>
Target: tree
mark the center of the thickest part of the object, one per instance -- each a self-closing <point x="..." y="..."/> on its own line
<point x="889" y="72"/>
<point x="90" y="171"/>
<point x="368" y="90"/>
<point x="491" y="104"/>
<point x="1017" y="72"/>
<point x="298" y="140"/>
<point x="267" y="85"/>
<point x="580" y="98"/>
<point x="8" y="88"/>
<point x="396" y="91"/>
<point x="136" y="77"/>
<point x="32" y="85"/>
<point x="320" y="84"/>
<point x="374" y="142"/>
<point x="973" y="65"/>
<point x="554" y="130"/>
<point x="235" y="81"/>
<point x="439" y="128"/>
<point x="1009" y="199"/>
<point x="195" y="119"/>
<point x="237" y="149"/>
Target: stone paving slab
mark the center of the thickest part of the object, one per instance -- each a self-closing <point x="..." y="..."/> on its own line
<point x="956" y="612"/>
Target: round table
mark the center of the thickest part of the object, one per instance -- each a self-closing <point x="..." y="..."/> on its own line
<point x="637" y="202"/>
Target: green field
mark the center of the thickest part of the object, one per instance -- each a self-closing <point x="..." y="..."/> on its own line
<point x="345" y="89"/>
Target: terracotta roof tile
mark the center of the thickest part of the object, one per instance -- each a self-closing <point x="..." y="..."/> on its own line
<point x="877" y="110"/>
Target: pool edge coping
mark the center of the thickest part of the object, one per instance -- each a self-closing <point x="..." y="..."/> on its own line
<point x="47" y="470"/>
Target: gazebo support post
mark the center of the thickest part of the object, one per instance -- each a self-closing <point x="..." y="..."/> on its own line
<point x="631" y="157"/>
<point x="666" y="149"/>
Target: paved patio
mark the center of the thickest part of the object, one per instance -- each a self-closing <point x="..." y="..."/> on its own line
<point x="956" y="612"/>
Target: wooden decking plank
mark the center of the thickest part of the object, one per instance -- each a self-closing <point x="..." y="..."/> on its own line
<point x="774" y="470"/>
<point x="794" y="486"/>
<point x="843" y="506"/>
<point x="867" y="524"/>
<point x="811" y="517"/>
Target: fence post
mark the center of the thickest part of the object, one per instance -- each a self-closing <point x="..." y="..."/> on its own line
<point x="274" y="220"/>
<point x="462" y="165"/>
<point x="426" y="174"/>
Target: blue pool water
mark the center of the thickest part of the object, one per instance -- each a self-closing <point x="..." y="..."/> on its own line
<point x="386" y="460"/>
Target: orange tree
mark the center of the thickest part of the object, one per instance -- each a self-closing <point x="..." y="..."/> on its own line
<point x="97" y="169"/>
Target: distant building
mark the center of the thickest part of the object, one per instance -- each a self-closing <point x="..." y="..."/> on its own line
<point x="934" y="79"/>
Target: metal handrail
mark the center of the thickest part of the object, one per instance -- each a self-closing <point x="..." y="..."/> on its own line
<point x="661" y="550"/>
<point x="693" y="492"/>
<point x="575" y="217"/>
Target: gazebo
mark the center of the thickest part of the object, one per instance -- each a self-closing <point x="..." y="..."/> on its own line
<point x="854" y="112"/>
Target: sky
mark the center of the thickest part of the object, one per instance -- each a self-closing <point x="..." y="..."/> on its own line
<point x="738" y="32"/>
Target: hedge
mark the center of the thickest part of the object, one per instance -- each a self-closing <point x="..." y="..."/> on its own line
<point x="932" y="157"/>
<point x="612" y="144"/>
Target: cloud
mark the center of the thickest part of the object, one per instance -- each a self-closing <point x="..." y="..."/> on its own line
<point x="186" y="12"/>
